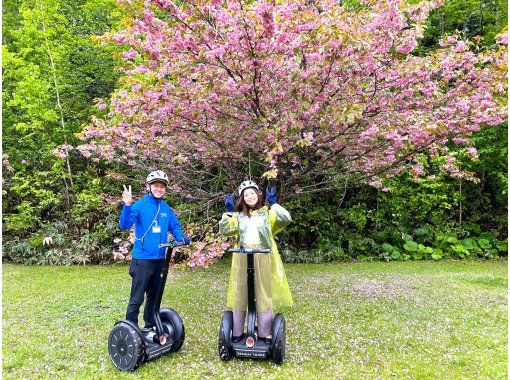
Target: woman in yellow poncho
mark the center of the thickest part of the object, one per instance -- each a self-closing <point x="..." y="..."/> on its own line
<point x="254" y="226"/>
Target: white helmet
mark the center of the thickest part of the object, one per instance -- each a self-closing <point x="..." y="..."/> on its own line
<point x="247" y="184"/>
<point x="157" y="175"/>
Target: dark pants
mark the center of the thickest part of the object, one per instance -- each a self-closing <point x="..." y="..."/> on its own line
<point x="145" y="276"/>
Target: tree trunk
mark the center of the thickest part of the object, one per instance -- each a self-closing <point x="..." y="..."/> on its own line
<point x="59" y="106"/>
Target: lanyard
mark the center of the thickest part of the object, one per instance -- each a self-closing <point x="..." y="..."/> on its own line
<point x="154" y="221"/>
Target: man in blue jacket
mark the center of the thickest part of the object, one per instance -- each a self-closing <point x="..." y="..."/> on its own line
<point x="153" y="219"/>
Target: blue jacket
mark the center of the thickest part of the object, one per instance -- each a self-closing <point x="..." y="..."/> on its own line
<point x="145" y="214"/>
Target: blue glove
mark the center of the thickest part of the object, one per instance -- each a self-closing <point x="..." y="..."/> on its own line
<point x="229" y="203"/>
<point x="186" y="239"/>
<point x="271" y="195"/>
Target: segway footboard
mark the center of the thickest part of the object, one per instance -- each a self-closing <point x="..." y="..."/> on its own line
<point x="251" y="348"/>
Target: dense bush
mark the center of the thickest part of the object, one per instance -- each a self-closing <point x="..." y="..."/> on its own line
<point x="427" y="218"/>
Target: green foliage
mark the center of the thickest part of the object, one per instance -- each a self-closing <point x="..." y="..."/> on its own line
<point x="485" y="203"/>
<point x="416" y="220"/>
<point x="325" y="252"/>
<point x="23" y="220"/>
<point x="48" y="46"/>
<point x="93" y="246"/>
<point x="445" y="246"/>
<point x="484" y="18"/>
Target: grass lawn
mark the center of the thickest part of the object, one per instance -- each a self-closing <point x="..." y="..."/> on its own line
<point x="403" y="320"/>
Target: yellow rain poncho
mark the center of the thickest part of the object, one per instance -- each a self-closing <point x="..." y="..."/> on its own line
<point x="271" y="287"/>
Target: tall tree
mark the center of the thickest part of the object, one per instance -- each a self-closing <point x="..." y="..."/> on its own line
<point x="313" y="91"/>
<point x="52" y="71"/>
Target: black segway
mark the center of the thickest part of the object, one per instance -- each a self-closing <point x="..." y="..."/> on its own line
<point x="129" y="345"/>
<point x="250" y="346"/>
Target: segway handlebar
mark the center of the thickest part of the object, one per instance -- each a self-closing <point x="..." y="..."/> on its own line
<point x="248" y="250"/>
<point x="171" y="245"/>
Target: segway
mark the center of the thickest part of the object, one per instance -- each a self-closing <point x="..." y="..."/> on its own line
<point x="129" y="345"/>
<point x="250" y="346"/>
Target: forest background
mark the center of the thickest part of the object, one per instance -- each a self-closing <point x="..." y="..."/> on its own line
<point x="63" y="209"/>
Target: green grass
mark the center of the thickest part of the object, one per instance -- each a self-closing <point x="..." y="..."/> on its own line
<point x="404" y="320"/>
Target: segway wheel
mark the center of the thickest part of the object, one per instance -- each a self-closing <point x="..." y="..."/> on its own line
<point x="174" y="327"/>
<point x="126" y="347"/>
<point x="280" y="341"/>
<point x="224" y="348"/>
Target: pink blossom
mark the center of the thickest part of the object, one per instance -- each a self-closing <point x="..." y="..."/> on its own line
<point x="451" y="39"/>
<point x="461" y="46"/>
<point x="130" y="54"/>
<point x="472" y="152"/>
<point x="229" y="82"/>
<point x="502" y="39"/>
<point x="459" y="140"/>
<point x="407" y="47"/>
<point x="418" y="169"/>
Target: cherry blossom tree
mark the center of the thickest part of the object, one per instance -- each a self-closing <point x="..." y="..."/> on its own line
<point x="313" y="93"/>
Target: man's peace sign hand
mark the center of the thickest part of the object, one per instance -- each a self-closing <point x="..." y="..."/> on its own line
<point x="127" y="198"/>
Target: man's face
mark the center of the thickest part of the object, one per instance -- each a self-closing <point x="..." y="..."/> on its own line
<point x="157" y="189"/>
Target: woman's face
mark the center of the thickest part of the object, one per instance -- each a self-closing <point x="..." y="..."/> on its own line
<point x="250" y="197"/>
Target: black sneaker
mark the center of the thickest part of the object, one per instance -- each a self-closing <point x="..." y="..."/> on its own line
<point x="237" y="339"/>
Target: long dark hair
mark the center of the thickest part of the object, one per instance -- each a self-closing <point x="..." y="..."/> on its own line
<point x="241" y="205"/>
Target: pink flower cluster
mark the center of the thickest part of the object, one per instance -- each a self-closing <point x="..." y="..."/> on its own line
<point x="5" y="162"/>
<point x="302" y="88"/>
<point x="205" y="253"/>
<point x="123" y="249"/>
